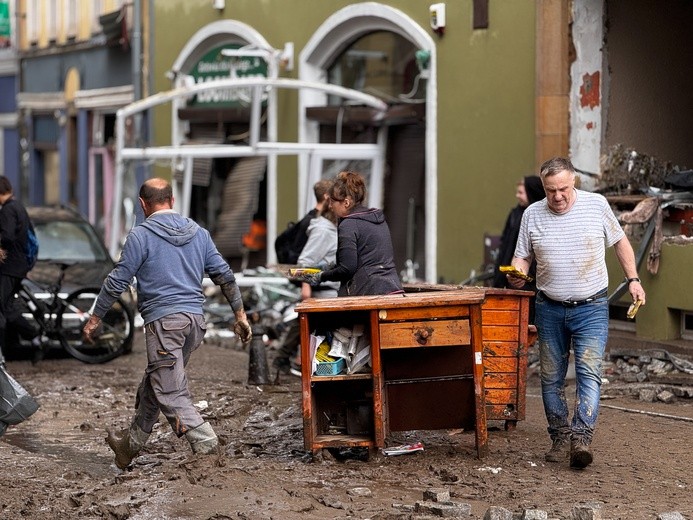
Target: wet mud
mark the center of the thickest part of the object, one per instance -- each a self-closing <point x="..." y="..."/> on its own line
<point x="57" y="465"/>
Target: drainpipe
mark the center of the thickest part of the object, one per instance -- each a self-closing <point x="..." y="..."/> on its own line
<point x="137" y="66"/>
<point x="137" y="49"/>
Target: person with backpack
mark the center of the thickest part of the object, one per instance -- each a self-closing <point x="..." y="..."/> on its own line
<point x="15" y="227"/>
<point x="319" y="251"/>
<point x="290" y="242"/>
<point x="313" y="232"/>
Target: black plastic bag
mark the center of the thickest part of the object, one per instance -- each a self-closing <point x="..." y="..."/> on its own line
<point x="16" y="405"/>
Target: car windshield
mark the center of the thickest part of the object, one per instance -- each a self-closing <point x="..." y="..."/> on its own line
<point x="64" y="241"/>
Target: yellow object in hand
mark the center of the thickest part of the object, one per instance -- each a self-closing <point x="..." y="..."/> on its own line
<point x="633" y="309"/>
<point x="514" y="271"/>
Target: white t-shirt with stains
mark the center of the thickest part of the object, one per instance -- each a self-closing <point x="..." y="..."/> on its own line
<point x="569" y="247"/>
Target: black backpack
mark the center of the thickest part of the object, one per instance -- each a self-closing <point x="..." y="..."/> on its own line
<point x="290" y="242"/>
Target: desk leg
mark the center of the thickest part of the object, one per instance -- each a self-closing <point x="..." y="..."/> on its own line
<point x="481" y="433"/>
<point x="309" y="424"/>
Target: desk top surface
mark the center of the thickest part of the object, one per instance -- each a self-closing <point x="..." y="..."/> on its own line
<point x="466" y="296"/>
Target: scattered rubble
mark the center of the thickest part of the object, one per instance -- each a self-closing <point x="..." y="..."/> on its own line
<point x="649" y="376"/>
<point x="437" y="503"/>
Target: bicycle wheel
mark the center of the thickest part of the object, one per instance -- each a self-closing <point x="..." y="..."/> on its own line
<point x="114" y="338"/>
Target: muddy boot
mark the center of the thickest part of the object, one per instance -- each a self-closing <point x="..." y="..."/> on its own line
<point x="202" y="439"/>
<point x="580" y="453"/>
<point x="127" y="445"/>
<point x="558" y="451"/>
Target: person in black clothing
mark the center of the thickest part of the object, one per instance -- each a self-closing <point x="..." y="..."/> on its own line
<point x="529" y="190"/>
<point x="365" y="257"/>
<point x="14" y="224"/>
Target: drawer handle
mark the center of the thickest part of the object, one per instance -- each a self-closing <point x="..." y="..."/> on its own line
<point x="423" y="335"/>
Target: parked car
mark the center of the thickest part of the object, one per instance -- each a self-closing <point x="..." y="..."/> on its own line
<point x="66" y="238"/>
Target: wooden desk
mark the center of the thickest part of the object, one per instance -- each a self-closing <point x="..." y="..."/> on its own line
<point x="426" y="369"/>
<point x="506" y="337"/>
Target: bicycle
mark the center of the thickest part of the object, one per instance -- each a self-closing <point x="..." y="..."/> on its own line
<point x="60" y="319"/>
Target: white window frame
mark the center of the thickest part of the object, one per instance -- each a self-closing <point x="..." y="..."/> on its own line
<point x="327" y="42"/>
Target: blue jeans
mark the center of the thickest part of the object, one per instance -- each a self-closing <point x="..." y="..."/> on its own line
<point x="584" y="328"/>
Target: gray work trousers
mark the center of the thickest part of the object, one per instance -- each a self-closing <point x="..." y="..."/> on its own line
<point x="164" y="388"/>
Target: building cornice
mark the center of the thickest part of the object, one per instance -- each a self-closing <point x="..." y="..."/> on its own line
<point x="8" y="120"/>
<point x="41" y="101"/>
<point x="111" y="97"/>
<point x="9" y="64"/>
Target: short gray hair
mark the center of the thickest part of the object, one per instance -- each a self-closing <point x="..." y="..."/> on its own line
<point x="555" y="166"/>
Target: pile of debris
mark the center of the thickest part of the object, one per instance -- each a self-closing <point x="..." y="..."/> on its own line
<point x="624" y="170"/>
<point x="650" y="375"/>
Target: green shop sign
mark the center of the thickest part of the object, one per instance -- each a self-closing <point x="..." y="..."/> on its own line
<point x="214" y="65"/>
<point x="5" y="26"/>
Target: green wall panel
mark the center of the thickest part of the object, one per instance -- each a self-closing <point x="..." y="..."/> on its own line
<point x="485" y="98"/>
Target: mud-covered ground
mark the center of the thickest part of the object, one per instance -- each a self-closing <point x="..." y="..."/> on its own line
<point x="57" y="466"/>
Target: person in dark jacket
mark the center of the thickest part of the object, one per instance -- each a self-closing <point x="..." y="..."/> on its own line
<point x="365" y="262"/>
<point x="14" y="225"/>
<point x="529" y="190"/>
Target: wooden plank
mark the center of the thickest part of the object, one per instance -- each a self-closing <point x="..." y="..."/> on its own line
<point x="499" y="317"/>
<point x="500" y="412"/>
<point x="457" y="311"/>
<point x="424" y="334"/>
<point x="496" y="396"/>
<point x="502" y="349"/>
<point x="339" y="441"/>
<point x="380" y="404"/>
<point x="500" y="302"/>
<point x="480" y="433"/>
<point x="500" y="333"/>
<point x="471" y="295"/>
<point x="309" y="422"/>
<point x="503" y="380"/>
<point x="508" y="364"/>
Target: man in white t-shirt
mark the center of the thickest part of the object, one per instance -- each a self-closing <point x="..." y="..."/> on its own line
<point x="567" y="233"/>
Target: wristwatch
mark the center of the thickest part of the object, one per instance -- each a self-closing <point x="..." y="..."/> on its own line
<point x="636" y="279"/>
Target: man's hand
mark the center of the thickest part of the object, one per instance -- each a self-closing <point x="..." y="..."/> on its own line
<point x="90" y="328"/>
<point x="242" y="328"/>
<point x="521" y="265"/>
<point x="516" y="281"/>
<point x="637" y="292"/>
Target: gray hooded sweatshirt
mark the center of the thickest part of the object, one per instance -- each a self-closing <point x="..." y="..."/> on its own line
<point x="169" y="255"/>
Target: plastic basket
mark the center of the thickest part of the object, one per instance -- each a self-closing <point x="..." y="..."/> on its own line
<point x="330" y="368"/>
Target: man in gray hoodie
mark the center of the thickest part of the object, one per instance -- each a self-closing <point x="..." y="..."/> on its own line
<point x="169" y="255"/>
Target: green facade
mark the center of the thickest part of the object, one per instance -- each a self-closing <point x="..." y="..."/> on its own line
<point x="485" y="133"/>
<point x="485" y="104"/>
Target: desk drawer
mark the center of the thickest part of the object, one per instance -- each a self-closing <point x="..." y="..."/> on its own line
<point x="426" y="333"/>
